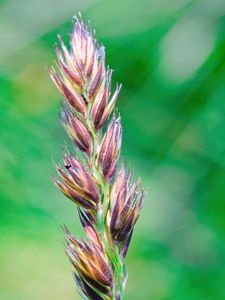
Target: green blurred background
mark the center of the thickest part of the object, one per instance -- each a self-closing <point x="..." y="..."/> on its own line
<point x="170" y="57"/>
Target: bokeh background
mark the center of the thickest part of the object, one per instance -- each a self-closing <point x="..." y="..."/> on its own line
<point x="170" y="57"/>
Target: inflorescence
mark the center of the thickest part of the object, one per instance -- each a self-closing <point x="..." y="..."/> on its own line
<point x="109" y="204"/>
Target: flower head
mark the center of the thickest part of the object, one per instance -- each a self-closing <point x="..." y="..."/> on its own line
<point x="125" y="207"/>
<point x="110" y="148"/>
<point x="108" y="203"/>
<point x="92" y="269"/>
<point x="77" y="130"/>
<point x="84" y="78"/>
<point x="77" y="184"/>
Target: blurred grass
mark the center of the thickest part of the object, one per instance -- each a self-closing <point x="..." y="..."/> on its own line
<point x="169" y="55"/>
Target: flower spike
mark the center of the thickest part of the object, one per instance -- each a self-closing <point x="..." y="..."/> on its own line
<point x="108" y="203"/>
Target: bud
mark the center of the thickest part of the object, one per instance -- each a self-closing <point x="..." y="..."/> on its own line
<point x="88" y="222"/>
<point x="78" y="184"/>
<point x="83" y="48"/>
<point x="73" y="195"/>
<point x="93" y="273"/>
<point x="125" y="210"/>
<point x="66" y="64"/>
<point x="110" y="148"/>
<point x="70" y="94"/>
<point x="97" y="73"/>
<point x="102" y="107"/>
<point x="109" y="108"/>
<point x="77" y="131"/>
<point x="100" y="100"/>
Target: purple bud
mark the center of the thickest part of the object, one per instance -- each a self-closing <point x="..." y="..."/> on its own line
<point x="98" y="72"/>
<point x="109" y="107"/>
<point x="90" y="59"/>
<point x="77" y="131"/>
<point x="75" y="197"/>
<point x="78" y="184"/>
<point x="125" y="210"/>
<point x="82" y="179"/>
<point x="73" y="98"/>
<point x="68" y="68"/>
<point x="91" y="264"/>
<point x="110" y="148"/>
<point x="99" y="105"/>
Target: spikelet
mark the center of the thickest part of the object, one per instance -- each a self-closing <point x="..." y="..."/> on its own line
<point x="108" y="203"/>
